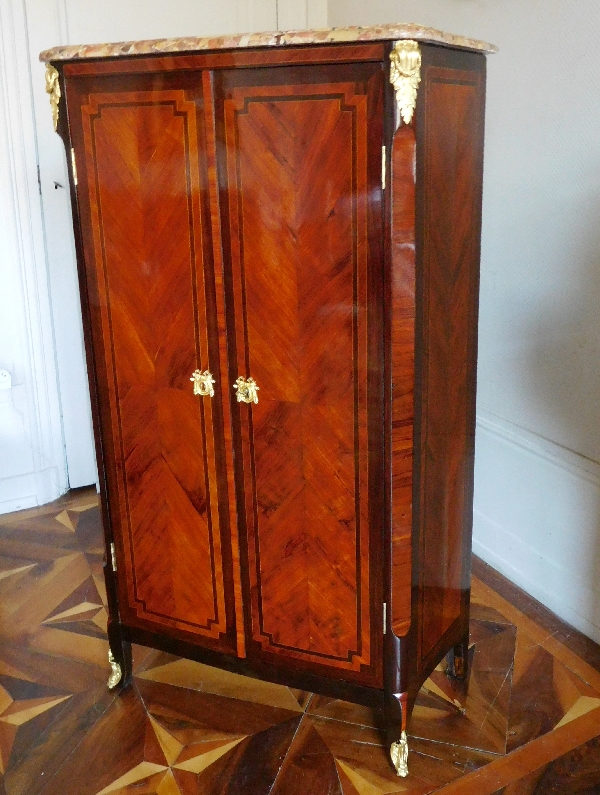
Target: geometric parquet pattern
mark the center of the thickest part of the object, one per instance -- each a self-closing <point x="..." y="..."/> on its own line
<point x="527" y="722"/>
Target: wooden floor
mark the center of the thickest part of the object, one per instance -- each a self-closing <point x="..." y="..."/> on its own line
<point x="527" y="721"/>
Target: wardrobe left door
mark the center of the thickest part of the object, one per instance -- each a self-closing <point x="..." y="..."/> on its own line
<point x="144" y="196"/>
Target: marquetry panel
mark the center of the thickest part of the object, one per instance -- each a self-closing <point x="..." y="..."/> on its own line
<point x="451" y="199"/>
<point x="142" y="184"/>
<point x="299" y="177"/>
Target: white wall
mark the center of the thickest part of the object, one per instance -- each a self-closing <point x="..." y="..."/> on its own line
<point x="32" y="461"/>
<point x="45" y="424"/>
<point x="537" y="495"/>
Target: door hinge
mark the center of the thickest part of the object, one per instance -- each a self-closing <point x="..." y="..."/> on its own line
<point x="74" y="167"/>
<point x="383" y="166"/>
<point x="113" y="557"/>
<point x="384" y="618"/>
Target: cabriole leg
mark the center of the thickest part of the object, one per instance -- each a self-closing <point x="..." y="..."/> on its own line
<point x="458" y="660"/>
<point x="119" y="658"/>
<point x="397" y="718"/>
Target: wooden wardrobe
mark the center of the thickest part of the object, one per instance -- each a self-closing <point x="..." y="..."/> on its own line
<point x="278" y="250"/>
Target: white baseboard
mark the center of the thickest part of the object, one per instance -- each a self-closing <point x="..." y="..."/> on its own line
<point x="29" y="490"/>
<point x="18" y="493"/>
<point x="537" y="519"/>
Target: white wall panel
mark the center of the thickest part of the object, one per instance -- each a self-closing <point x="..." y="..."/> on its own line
<point x="32" y="468"/>
<point x="47" y="23"/>
<point x="317" y="14"/>
<point x="537" y="511"/>
<point x="124" y="20"/>
<point x="298" y="14"/>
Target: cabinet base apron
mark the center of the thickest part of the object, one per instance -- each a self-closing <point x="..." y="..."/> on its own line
<point x="397" y="707"/>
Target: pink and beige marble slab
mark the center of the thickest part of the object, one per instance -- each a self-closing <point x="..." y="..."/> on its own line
<point x="273" y="39"/>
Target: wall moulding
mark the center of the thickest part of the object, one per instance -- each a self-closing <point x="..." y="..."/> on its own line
<point x="27" y="331"/>
<point x="537" y="519"/>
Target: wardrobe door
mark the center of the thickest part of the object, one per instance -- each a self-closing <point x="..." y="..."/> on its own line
<point x="300" y="167"/>
<point x="144" y="203"/>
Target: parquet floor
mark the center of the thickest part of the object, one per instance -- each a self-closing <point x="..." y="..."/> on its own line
<point x="526" y="723"/>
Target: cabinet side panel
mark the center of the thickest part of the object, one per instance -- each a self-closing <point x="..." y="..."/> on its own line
<point x="140" y="198"/>
<point x="298" y="190"/>
<point x="402" y="371"/>
<point x="450" y="149"/>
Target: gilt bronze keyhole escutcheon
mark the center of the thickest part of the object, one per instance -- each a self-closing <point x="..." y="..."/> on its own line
<point x="246" y="390"/>
<point x="203" y="383"/>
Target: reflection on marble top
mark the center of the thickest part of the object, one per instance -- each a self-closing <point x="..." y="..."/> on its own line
<point x="275" y="39"/>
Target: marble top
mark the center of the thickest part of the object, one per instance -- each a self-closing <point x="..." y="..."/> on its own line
<point x="275" y="39"/>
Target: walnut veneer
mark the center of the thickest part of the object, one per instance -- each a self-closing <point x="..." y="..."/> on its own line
<point x="231" y="215"/>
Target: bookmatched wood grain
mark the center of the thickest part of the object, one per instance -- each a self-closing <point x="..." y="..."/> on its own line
<point x="220" y="336"/>
<point x="300" y="153"/>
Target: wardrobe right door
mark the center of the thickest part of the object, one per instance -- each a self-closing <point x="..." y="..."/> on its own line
<point x="300" y="170"/>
